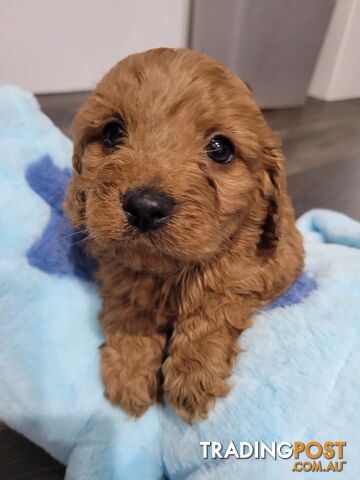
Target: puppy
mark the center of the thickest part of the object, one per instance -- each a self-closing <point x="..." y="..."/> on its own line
<point x="180" y="185"/>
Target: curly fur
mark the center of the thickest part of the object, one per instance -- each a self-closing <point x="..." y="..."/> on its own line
<point x="176" y="299"/>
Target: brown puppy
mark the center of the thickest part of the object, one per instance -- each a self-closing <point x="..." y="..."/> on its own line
<point x="180" y="184"/>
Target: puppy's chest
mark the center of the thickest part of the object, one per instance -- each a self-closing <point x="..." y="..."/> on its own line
<point x="149" y="294"/>
<point x="161" y="300"/>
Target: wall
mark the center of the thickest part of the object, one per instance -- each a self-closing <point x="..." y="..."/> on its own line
<point x="67" y="45"/>
<point x="337" y="73"/>
<point x="271" y="44"/>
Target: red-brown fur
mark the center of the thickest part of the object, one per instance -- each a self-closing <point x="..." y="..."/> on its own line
<point x="176" y="299"/>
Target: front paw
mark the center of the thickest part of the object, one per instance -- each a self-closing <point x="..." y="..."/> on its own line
<point x="192" y="388"/>
<point x="131" y="385"/>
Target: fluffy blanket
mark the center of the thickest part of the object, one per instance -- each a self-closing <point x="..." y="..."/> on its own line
<point x="296" y="380"/>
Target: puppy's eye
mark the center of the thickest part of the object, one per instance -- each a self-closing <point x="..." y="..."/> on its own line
<point x="113" y="134"/>
<point x="220" y="149"/>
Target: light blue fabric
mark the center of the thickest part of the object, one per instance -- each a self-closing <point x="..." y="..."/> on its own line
<point x="296" y="380"/>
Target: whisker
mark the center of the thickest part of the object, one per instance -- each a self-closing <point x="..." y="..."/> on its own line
<point x="73" y="244"/>
<point x="78" y="232"/>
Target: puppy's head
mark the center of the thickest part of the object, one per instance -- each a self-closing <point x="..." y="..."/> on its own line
<point x="172" y="158"/>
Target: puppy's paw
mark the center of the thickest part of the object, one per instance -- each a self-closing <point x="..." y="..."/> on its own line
<point x="132" y="387"/>
<point x="191" y="388"/>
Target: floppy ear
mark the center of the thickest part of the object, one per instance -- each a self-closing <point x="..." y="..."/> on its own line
<point x="76" y="158"/>
<point x="84" y="126"/>
<point x="274" y="186"/>
<point x="75" y="200"/>
<point x="78" y="129"/>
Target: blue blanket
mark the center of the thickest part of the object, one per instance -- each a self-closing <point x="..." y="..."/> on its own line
<point x="297" y="378"/>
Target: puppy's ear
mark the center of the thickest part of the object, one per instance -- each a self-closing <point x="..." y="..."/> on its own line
<point x="78" y="130"/>
<point x="76" y="158"/>
<point x="75" y="200"/>
<point x="273" y="188"/>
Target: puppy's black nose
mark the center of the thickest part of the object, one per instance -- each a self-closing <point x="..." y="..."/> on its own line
<point x="146" y="208"/>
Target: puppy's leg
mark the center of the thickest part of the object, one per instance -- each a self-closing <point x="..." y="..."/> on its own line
<point x="201" y="356"/>
<point x="131" y="359"/>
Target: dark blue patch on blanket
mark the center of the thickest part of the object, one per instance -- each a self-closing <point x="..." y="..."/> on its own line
<point x="61" y="248"/>
<point x="296" y="293"/>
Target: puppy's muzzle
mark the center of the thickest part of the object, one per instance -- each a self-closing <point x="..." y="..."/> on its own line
<point x="147" y="209"/>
